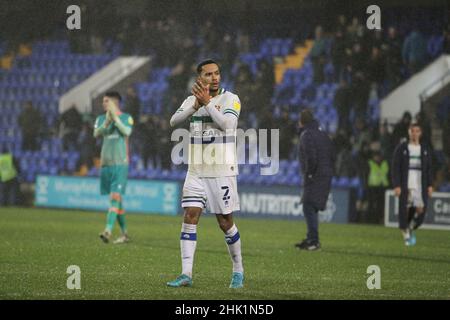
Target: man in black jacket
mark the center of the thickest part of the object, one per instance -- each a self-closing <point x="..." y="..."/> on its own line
<point x="317" y="158"/>
<point x="412" y="181"/>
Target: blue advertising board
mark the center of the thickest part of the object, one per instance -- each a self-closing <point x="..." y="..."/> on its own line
<point x="142" y="196"/>
<point x="285" y="202"/>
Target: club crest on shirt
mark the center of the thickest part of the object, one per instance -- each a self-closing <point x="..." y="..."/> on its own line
<point x="218" y="108"/>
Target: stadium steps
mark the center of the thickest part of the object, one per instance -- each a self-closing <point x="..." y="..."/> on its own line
<point x="417" y="90"/>
<point x="293" y="61"/>
<point x="117" y="75"/>
<point x="7" y="60"/>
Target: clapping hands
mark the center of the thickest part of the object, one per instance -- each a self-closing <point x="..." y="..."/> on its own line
<point x="201" y="92"/>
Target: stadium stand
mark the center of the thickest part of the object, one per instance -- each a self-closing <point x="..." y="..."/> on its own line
<point x="53" y="68"/>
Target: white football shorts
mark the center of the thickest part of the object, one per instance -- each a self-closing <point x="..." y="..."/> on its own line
<point x="218" y="195"/>
<point x="415" y="198"/>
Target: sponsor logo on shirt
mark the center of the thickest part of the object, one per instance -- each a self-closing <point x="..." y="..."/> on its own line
<point x="237" y="106"/>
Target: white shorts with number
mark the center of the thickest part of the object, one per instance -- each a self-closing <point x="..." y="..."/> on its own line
<point x="415" y="198"/>
<point x="218" y="195"/>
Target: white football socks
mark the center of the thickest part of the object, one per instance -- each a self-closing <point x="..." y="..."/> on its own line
<point x="233" y="240"/>
<point x="405" y="234"/>
<point x="188" y="243"/>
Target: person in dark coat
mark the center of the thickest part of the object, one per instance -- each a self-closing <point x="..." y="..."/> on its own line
<point x="132" y="104"/>
<point x="30" y="120"/>
<point x="401" y="128"/>
<point x="317" y="157"/>
<point x="412" y="182"/>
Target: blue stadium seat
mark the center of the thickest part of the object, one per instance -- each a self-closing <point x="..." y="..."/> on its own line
<point x="355" y="182"/>
<point x="132" y="173"/>
<point x="181" y="174"/>
<point x="334" y="182"/>
<point x="151" y="173"/>
<point x="296" y="180"/>
<point x="30" y="177"/>
<point x="93" y="172"/>
<point x="163" y="174"/>
<point x="343" y="182"/>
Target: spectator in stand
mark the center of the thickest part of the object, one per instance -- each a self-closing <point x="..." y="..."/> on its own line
<point x="414" y="51"/>
<point x="377" y="183"/>
<point x="210" y="36"/>
<point x="445" y="137"/>
<point x="267" y="121"/>
<point x="247" y="22"/>
<point x="361" y="159"/>
<point x="352" y="30"/>
<point x="88" y="147"/>
<point x="361" y="136"/>
<point x="338" y="54"/>
<point x="341" y="23"/>
<point x="243" y="87"/>
<point x="149" y="142"/>
<point x="344" y="159"/>
<point x="9" y="179"/>
<point x="341" y="138"/>
<point x="446" y="173"/>
<point x="132" y="104"/>
<point x="287" y="133"/>
<point x="229" y="49"/>
<point x="342" y="102"/>
<point x="165" y="144"/>
<point x="385" y="138"/>
<point x="261" y="92"/>
<point x="360" y="94"/>
<point x="179" y="76"/>
<point x="401" y="128"/>
<point x="392" y="49"/>
<point x="267" y="78"/>
<point x="424" y="123"/>
<point x="376" y="39"/>
<point x="357" y="63"/>
<point x="446" y="42"/>
<point x="142" y="41"/>
<point x="70" y="124"/>
<point x="30" y="121"/>
<point x="318" y="55"/>
<point x="376" y="67"/>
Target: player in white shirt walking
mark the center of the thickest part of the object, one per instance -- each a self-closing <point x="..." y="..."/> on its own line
<point x="412" y="181"/>
<point x="211" y="178"/>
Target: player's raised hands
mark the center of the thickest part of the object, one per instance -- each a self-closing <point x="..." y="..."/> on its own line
<point x="112" y="110"/>
<point x="108" y="118"/>
<point x="201" y="92"/>
<point x="197" y="104"/>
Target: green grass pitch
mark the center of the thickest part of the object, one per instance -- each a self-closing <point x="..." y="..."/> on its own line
<point x="37" y="246"/>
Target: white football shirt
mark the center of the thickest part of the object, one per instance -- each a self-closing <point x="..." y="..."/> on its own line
<point x="212" y="151"/>
<point x="415" y="167"/>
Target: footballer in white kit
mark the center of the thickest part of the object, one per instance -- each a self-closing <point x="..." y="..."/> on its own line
<point x="210" y="181"/>
<point x="412" y="181"/>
